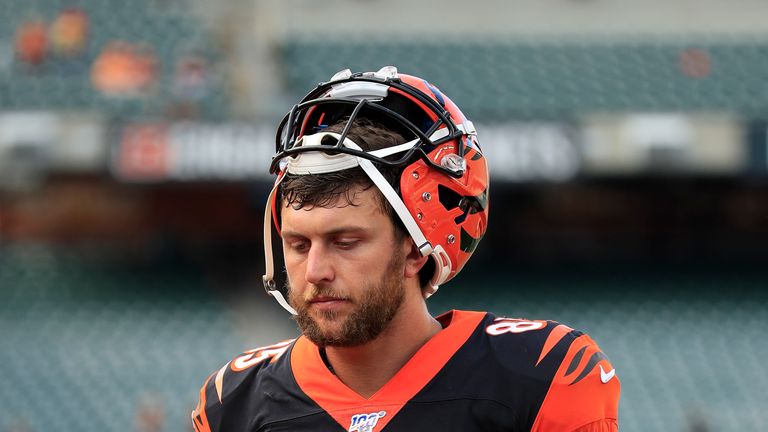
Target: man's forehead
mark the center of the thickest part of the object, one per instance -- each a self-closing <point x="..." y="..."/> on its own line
<point x="353" y="196"/>
<point x="332" y="222"/>
<point x="361" y="204"/>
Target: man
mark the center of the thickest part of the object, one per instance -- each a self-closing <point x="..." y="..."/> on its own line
<point x="381" y="197"/>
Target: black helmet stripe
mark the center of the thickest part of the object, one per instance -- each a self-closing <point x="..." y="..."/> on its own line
<point x="468" y="243"/>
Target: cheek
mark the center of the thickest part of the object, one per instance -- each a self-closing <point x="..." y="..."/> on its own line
<point x="292" y="259"/>
<point x="295" y="287"/>
<point x="291" y="262"/>
<point x="294" y="270"/>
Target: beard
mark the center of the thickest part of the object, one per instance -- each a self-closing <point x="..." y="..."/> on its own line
<point x="374" y="311"/>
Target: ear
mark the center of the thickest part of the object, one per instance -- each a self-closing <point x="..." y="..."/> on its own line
<point x="413" y="259"/>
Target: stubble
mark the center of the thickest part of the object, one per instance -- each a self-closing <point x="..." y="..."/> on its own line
<point x="372" y="314"/>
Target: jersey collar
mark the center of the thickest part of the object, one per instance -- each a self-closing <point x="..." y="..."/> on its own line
<point x="341" y="402"/>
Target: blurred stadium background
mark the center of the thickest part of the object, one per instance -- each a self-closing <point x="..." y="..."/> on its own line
<point x="629" y="151"/>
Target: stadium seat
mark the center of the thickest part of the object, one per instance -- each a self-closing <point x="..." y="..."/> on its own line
<point x="503" y="78"/>
<point x="83" y="345"/>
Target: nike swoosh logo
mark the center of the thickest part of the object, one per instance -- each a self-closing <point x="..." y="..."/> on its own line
<point x="605" y="377"/>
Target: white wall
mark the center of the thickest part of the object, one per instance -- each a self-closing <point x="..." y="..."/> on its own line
<point x="521" y="17"/>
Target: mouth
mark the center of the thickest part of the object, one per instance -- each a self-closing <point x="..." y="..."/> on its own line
<point x="324" y="302"/>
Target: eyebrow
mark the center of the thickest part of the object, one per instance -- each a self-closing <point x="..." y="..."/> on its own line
<point x="350" y="229"/>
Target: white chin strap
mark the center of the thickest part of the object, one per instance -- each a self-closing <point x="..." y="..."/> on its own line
<point x="320" y="162"/>
<point x="269" y="275"/>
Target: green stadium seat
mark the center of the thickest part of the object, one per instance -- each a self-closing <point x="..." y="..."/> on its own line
<point x="509" y="78"/>
<point x="82" y="344"/>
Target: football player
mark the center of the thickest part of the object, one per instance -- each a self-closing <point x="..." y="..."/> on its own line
<point x="381" y="196"/>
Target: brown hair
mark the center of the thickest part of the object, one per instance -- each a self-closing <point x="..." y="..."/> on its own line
<point x="323" y="190"/>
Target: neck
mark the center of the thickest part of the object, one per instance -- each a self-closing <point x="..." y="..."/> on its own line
<point x="366" y="368"/>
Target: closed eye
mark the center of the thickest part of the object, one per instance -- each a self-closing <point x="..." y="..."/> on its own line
<point x="346" y="244"/>
<point x="298" y="246"/>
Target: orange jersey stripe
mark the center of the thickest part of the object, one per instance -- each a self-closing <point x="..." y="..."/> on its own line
<point x="199" y="418"/>
<point x="554" y="337"/>
<point x="583" y="391"/>
<point x="605" y="425"/>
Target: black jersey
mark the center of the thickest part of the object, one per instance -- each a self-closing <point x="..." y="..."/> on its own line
<point x="480" y="373"/>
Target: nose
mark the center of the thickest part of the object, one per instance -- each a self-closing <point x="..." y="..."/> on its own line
<point x="319" y="266"/>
